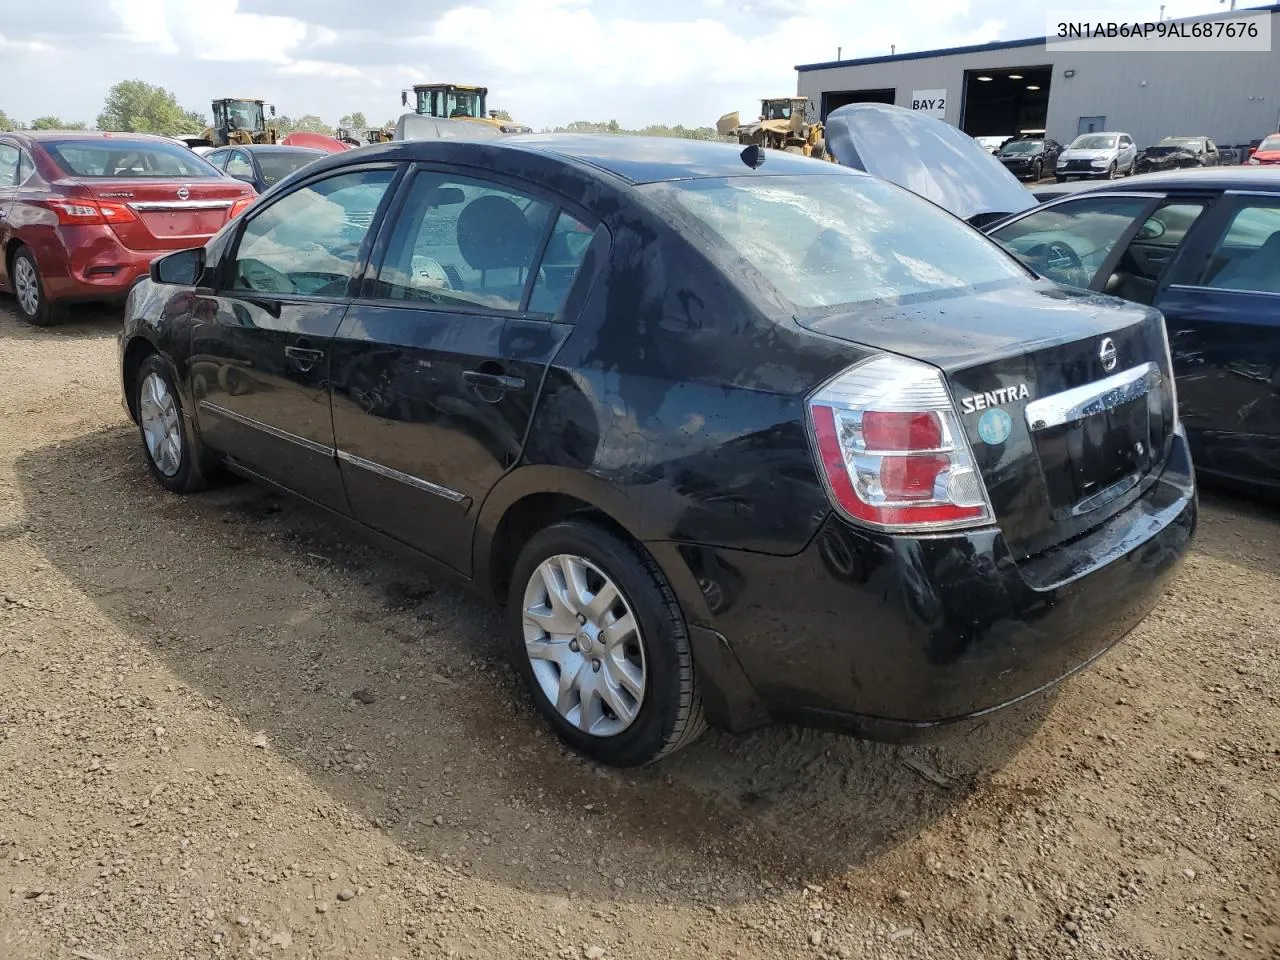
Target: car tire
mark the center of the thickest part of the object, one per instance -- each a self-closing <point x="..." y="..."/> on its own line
<point x="1038" y="173"/>
<point x="28" y="290"/>
<point x="654" y="659"/>
<point x="175" y="455"/>
<point x="1060" y="178"/>
<point x="1111" y="171"/>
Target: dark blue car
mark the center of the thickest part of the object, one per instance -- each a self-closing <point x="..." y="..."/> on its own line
<point x="262" y="165"/>
<point x="1203" y="247"/>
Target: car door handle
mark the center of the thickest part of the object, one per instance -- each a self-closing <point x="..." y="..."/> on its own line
<point x="304" y="357"/>
<point x="492" y="381"/>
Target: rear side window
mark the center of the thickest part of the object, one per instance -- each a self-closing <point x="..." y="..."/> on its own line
<point x="8" y="165"/>
<point x="463" y="242"/>
<point x="309" y="241"/>
<point x="125" y="158"/>
<point x="277" y="166"/>
<point x="1248" y="255"/>
<point x="829" y="240"/>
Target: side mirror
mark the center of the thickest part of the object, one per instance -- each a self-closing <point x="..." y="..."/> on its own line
<point x="273" y="109"/>
<point x="183" y="268"/>
<point x="404" y="98"/>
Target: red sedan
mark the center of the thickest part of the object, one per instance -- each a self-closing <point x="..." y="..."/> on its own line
<point x="82" y="215"/>
<point x="1268" y="151"/>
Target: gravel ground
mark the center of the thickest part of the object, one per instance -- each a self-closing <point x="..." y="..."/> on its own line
<point x="231" y="728"/>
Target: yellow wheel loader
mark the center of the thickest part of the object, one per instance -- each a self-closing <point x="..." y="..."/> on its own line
<point x="239" y="121"/>
<point x="783" y="125"/>
<point x="454" y="101"/>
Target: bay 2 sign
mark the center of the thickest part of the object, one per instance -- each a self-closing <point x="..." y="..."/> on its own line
<point x="932" y="103"/>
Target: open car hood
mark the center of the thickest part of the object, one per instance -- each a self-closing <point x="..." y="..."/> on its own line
<point x="928" y="157"/>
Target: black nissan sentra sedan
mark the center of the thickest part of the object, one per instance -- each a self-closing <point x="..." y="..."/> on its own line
<point x="736" y="436"/>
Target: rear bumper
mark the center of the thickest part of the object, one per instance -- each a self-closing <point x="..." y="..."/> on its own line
<point x="90" y="263"/>
<point x="899" y="638"/>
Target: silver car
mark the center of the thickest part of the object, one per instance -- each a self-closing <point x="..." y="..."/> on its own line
<point x="1098" y="155"/>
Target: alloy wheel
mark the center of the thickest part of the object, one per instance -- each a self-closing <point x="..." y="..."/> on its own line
<point x="26" y="286"/>
<point x="160" y="424"/>
<point x="584" y="645"/>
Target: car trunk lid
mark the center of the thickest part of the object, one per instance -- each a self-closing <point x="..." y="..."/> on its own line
<point x="1066" y="429"/>
<point x="169" y="214"/>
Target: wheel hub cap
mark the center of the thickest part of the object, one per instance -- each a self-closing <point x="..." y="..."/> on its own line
<point x="584" y="645"/>
<point x="26" y="288"/>
<point x="160" y="427"/>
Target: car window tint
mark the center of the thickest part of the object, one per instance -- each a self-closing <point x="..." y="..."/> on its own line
<point x="462" y="242"/>
<point x="822" y="241"/>
<point x="309" y="241"/>
<point x="238" y="165"/>
<point x="568" y="244"/>
<point x="8" y="165"/>
<point x="1248" y="255"/>
<point x="1070" y="241"/>
<point x="277" y="166"/>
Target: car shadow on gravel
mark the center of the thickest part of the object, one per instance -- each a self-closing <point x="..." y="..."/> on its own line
<point x="85" y="321"/>
<point x="389" y="689"/>
<point x="1224" y="537"/>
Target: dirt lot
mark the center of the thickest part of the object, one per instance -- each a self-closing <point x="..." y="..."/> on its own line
<point x="229" y="728"/>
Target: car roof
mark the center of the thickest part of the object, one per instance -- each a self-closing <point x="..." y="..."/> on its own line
<point x="634" y="160"/>
<point x="1202" y="178"/>
<point x="41" y="135"/>
<point x="269" y="148"/>
<point x="657" y="159"/>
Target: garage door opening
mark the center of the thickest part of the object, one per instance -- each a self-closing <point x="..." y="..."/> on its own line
<point x="840" y="98"/>
<point x="1007" y="102"/>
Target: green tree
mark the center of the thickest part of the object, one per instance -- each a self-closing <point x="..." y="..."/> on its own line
<point x="284" y="124"/>
<point x="355" y="122"/>
<point x="141" y="107"/>
<point x="5" y="122"/>
<point x="312" y="124"/>
<point x="56" y="123"/>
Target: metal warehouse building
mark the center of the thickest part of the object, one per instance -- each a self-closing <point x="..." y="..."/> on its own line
<point x="1019" y="86"/>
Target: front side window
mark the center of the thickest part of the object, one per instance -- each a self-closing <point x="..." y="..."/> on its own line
<point x="1248" y="255"/>
<point x="463" y="242"/>
<point x="822" y="241"/>
<point x="130" y="159"/>
<point x="8" y="165"/>
<point x="218" y="158"/>
<point x="309" y="241"/>
<point x="1069" y="242"/>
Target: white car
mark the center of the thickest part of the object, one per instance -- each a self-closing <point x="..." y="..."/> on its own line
<point x="1098" y="155"/>
<point x="991" y="144"/>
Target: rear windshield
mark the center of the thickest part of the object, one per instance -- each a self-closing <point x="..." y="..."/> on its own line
<point x="823" y="241"/>
<point x="277" y="166"/>
<point x="126" y="158"/>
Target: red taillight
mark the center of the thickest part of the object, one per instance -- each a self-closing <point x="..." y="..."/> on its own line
<point x="90" y="212"/>
<point x="240" y="206"/>
<point x="892" y="449"/>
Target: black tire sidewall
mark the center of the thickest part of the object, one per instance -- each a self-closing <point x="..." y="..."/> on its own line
<point x="662" y="633"/>
<point x="43" y="315"/>
<point x="184" y="479"/>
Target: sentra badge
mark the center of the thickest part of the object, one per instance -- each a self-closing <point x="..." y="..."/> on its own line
<point x="994" y="398"/>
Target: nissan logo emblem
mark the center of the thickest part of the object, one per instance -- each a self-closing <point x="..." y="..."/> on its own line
<point x="184" y="193"/>
<point x="1107" y="354"/>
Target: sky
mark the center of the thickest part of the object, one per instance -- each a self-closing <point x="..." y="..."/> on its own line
<point x="548" y="62"/>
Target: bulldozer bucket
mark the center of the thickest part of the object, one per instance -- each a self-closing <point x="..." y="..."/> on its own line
<point x="727" y="124"/>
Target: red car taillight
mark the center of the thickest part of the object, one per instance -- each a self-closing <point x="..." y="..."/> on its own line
<point x="240" y="206"/>
<point x="893" y="453"/>
<point x="85" y="213"/>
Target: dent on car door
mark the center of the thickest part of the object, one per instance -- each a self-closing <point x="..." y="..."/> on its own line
<point x="436" y="372"/>
<point x="260" y="344"/>
<point x="1222" y="309"/>
<point x="1077" y="241"/>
